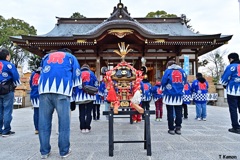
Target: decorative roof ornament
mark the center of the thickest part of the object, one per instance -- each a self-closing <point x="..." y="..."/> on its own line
<point x="123" y="50"/>
<point x="120" y="12"/>
<point x="120" y="33"/>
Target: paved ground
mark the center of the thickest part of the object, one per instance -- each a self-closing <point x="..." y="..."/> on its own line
<point x="199" y="140"/>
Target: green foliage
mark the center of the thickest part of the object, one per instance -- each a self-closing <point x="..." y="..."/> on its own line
<point x="77" y="15"/>
<point x="15" y="27"/>
<point x="164" y="14"/>
<point x="203" y="63"/>
<point x="186" y="21"/>
<point x="34" y="62"/>
<point x="160" y="14"/>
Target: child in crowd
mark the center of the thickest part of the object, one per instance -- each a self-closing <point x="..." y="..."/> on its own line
<point x="157" y="97"/>
<point x="34" y="96"/>
<point x="186" y="99"/>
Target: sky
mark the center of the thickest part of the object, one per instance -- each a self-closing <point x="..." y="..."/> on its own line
<point x="207" y="16"/>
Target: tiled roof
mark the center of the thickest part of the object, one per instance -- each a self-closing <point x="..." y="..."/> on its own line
<point x="173" y="29"/>
<point x="68" y="30"/>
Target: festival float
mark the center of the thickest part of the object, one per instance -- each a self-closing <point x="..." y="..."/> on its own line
<point x="123" y="83"/>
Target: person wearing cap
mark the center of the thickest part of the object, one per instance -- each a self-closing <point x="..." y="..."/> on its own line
<point x="231" y="81"/>
<point x="199" y="90"/>
<point x="59" y="75"/>
<point x="84" y="99"/>
<point x="34" y="96"/>
<point x="9" y="79"/>
<point x="173" y="82"/>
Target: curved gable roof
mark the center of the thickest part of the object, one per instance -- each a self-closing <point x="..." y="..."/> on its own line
<point x="147" y="29"/>
<point x="120" y="24"/>
<point x="120" y="18"/>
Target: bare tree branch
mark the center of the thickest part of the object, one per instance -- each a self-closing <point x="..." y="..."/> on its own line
<point x="216" y="63"/>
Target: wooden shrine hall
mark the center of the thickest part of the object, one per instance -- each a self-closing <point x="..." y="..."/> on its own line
<point x="92" y="41"/>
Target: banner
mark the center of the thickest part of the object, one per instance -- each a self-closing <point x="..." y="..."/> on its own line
<point x="17" y="100"/>
<point x="186" y="64"/>
<point x="210" y="96"/>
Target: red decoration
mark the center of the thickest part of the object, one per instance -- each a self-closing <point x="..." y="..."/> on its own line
<point x="112" y="96"/>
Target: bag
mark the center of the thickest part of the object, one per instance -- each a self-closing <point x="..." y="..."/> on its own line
<point x="90" y="89"/>
<point x="73" y="106"/>
<point x="84" y="102"/>
<point x="6" y="87"/>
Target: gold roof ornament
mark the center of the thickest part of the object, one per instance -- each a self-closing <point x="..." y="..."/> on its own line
<point x="160" y="40"/>
<point x="123" y="50"/>
<point x="120" y="33"/>
<point x="81" y="41"/>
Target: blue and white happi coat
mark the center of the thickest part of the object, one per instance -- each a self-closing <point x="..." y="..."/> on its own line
<point x="187" y="96"/>
<point x="199" y="91"/>
<point x="88" y="78"/>
<point x="103" y="90"/>
<point x="98" y="99"/>
<point x="60" y="73"/>
<point x="8" y="72"/>
<point x="173" y="82"/>
<point x="157" y="92"/>
<point x="34" y="94"/>
<point x="146" y="89"/>
<point x="231" y="79"/>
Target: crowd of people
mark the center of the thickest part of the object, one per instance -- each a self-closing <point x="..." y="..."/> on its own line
<point x="59" y="84"/>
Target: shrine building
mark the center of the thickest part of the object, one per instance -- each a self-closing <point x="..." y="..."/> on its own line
<point x="92" y="41"/>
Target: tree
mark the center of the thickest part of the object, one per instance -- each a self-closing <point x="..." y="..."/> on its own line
<point x="34" y="62"/>
<point x="164" y="14"/>
<point x="186" y="21"/>
<point x="203" y="63"/>
<point x="216" y="63"/>
<point x="15" y="27"/>
<point x="77" y="15"/>
<point x="160" y="14"/>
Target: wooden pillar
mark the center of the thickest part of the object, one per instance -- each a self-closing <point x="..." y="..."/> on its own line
<point x="178" y="51"/>
<point x="177" y="59"/>
<point x="193" y="67"/>
<point x="196" y="63"/>
<point x="162" y="68"/>
<point x="156" y="69"/>
<point x="98" y="68"/>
